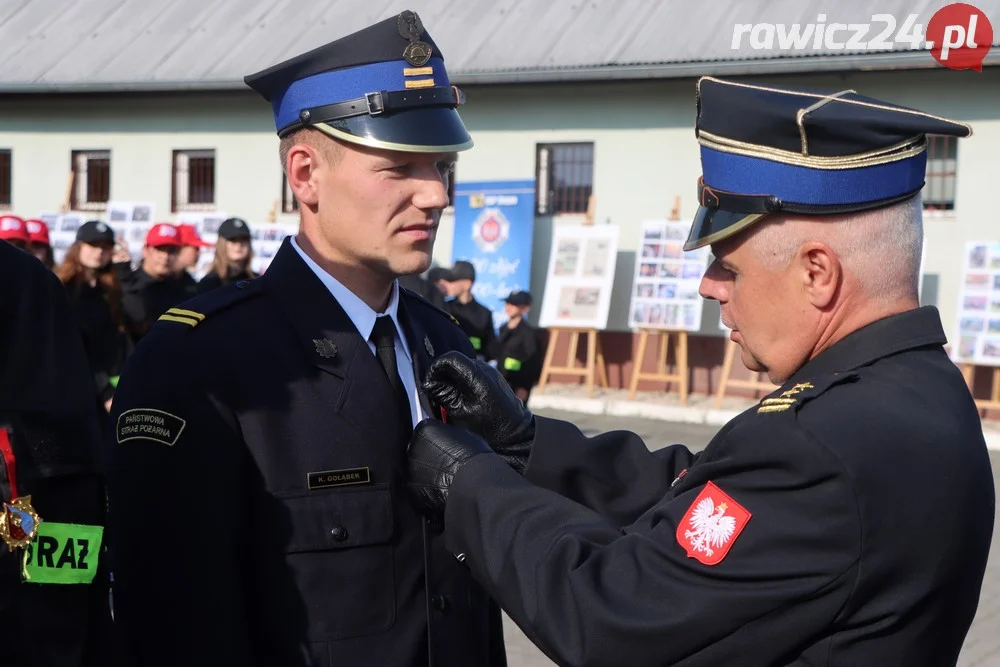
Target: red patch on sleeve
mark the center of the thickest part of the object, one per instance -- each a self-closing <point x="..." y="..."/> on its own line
<point x="711" y="525"/>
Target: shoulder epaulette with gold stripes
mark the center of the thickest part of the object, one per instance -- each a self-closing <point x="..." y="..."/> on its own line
<point x="181" y="316"/>
<point x="803" y="392"/>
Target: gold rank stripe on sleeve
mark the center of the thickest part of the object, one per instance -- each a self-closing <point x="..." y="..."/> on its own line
<point x="181" y="316"/>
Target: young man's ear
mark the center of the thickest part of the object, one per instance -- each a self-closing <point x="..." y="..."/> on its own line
<point x="300" y="166"/>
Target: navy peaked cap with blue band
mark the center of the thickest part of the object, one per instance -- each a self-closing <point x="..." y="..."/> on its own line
<point x="767" y="150"/>
<point x="384" y="86"/>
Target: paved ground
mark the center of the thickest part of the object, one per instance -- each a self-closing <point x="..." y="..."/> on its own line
<point x="982" y="648"/>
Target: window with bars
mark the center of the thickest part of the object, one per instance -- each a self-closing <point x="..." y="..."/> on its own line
<point x="564" y="178"/>
<point x="289" y="204"/>
<point x="6" y="180"/>
<point x="939" y="182"/>
<point x="193" y="180"/>
<point x="91" y="180"/>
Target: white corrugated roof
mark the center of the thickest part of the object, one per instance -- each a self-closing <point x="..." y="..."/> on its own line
<point x="142" y="44"/>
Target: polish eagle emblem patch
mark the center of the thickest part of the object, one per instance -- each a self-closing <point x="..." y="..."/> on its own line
<point x="711" y="525"/>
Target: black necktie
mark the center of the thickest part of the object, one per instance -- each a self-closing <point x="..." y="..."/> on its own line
<point x="384" y="337"/>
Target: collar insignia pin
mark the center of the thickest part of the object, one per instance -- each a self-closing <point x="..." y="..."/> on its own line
<point x="325" y="348"/>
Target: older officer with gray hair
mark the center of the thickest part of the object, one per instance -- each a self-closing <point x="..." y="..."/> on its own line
<point x="844" y="520"/>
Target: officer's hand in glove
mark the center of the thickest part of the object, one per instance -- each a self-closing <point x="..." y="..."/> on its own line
<point x="475" y="396"/>
<point x="437" y="452"/>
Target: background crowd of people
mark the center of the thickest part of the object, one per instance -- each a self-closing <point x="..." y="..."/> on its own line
<point x="116" y="302"/>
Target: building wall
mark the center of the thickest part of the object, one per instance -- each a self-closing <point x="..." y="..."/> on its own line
<point x="645" y="154"/>
<point x="142" y="133"/>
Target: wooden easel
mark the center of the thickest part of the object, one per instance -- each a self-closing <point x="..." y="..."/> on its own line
<point x="993" y="402"/>
<point x="725" y="381"/>
<point x="68" y="196"/>
<point x="594" y="365"/>
<point x="659" y="372"/>
<point x="595" y="358"/>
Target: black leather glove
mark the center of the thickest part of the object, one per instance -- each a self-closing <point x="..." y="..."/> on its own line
<point x="476" y="397"/>
<point x="437" y="452"/>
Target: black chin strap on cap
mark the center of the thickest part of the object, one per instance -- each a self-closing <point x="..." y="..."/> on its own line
<point x="378" y="103"/>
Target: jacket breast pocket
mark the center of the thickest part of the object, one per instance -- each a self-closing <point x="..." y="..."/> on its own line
<point x="340" y="555"/>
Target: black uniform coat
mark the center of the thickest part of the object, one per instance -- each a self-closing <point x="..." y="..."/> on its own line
<point x="871" y="506"/>
<point x="48" y="407"/>
<point x="477" y="322"/>
<point x="256" y="492"/>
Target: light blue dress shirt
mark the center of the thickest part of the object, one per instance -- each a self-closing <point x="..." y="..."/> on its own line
<point x="364" y="317"/>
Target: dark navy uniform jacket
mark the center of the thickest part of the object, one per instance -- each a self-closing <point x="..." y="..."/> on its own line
<point x="256" y="498"/>
<point x="845" y="520"/>
<point x="48" y="407"/>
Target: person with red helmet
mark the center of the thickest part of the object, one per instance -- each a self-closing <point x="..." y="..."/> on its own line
<point x="39" y="244"/>
<point x="187" y="258"/>
<point x="151" y="289"/>
<point x="14" y="232"/>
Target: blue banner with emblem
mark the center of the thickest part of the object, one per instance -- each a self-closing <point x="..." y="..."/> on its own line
<point x="494" y="225"/>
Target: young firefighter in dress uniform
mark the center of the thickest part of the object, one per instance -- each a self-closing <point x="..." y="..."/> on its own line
<point x="845" y="520"/>
<point x="520" y="361"/>
<point x="256" y="485"/>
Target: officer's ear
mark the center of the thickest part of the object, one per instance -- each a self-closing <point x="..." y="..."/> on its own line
<point x="821" y="272"/>
<point x="301" y="163"/>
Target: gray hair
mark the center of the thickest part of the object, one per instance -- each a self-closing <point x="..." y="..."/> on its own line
<point x="880" y="248"/>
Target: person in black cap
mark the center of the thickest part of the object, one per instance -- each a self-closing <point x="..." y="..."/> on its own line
<point x="844" y="520"/>
<point x="96" y="296"/>
<point x="436" y="276"/>
<point x="53" y="579"/>
<point x="233" y="256"/>
<point x="520" y="362"/>
<point x="295" y="542"/>
<point x="475" y="318"/>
